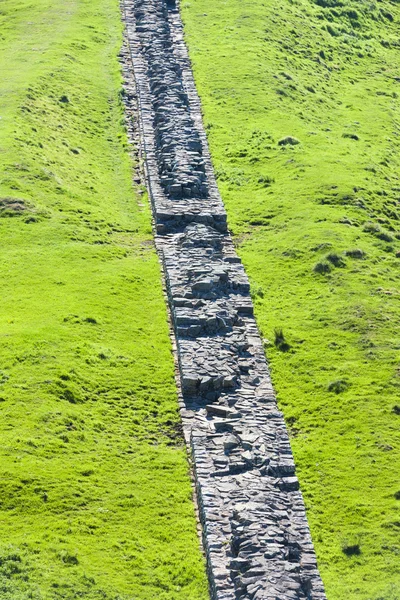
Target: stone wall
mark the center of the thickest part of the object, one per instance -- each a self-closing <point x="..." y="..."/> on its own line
<point x="255" y="532"/>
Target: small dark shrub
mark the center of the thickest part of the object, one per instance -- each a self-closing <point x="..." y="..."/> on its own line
<point x="352" y="14"/>
<point x="288" y="141"/>
<point x="12" y="556"/>
<point x="4" y="377"/>
<point x="91" y="320"/>
<point x="322" y="268"/>
<point x="69" y="559"/>
<point x="387" y="15"/>
<point x="386" y="237"/>
<point x="351" y="136"/>
<point x="10" y="566"/>
<point x="339" y="386"/>
<point x="69" y="396"/>
<point x="336" y="260"/>
<point x="351" y="550"/>
<point x="87" y="472"/>
<point x="327" y="3"/>
<point x="64" y="99"/>
<point x="69" y="392"/>
<point x="397" y="495"/>
<point x="356" y="253"/>
<point x="396" y="409"/>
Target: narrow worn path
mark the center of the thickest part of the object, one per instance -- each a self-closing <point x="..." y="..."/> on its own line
<point x="255" y="532"/>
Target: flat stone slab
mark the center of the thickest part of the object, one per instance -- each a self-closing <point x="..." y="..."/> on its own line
<point x="255" y="532"/>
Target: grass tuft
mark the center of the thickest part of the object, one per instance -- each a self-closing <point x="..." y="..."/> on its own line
<point x="280" y="341"/>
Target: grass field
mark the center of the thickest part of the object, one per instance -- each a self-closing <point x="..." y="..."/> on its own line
<point x="302" y="107"/>
<point x="95" y="495"/>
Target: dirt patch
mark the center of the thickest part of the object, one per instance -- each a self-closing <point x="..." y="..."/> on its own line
<point x="17" y="207"/>
<point x="13" y="207"/>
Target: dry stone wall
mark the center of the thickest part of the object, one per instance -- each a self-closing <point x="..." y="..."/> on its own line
<point x="255" y="532"/>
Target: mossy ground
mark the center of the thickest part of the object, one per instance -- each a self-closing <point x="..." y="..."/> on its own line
<point x="95" y="495"/>
<point x="302" y="109"/>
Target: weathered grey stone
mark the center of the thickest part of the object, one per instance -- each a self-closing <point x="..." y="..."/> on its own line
<point x="255" y="533"/>
<point x="230" y="442"/>
<point x="221" y="411"/>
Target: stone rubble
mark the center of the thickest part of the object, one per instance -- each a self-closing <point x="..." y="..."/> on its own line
<point x="255" y="532"/>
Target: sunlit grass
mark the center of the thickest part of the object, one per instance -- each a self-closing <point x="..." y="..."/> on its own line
<point x="301" y="106"/>
<point x="95" y="495"/>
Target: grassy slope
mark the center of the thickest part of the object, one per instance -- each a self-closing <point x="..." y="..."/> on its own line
<point x="95" y="498"/>
<point x="267" y="70"/>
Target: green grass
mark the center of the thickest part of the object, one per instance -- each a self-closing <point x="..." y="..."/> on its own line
<point x="95" y="494"/>
<point x="317" y="226"/>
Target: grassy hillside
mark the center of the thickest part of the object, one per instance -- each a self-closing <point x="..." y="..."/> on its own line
<point x="95" y="497"/>
<point x="302" y="108"/>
